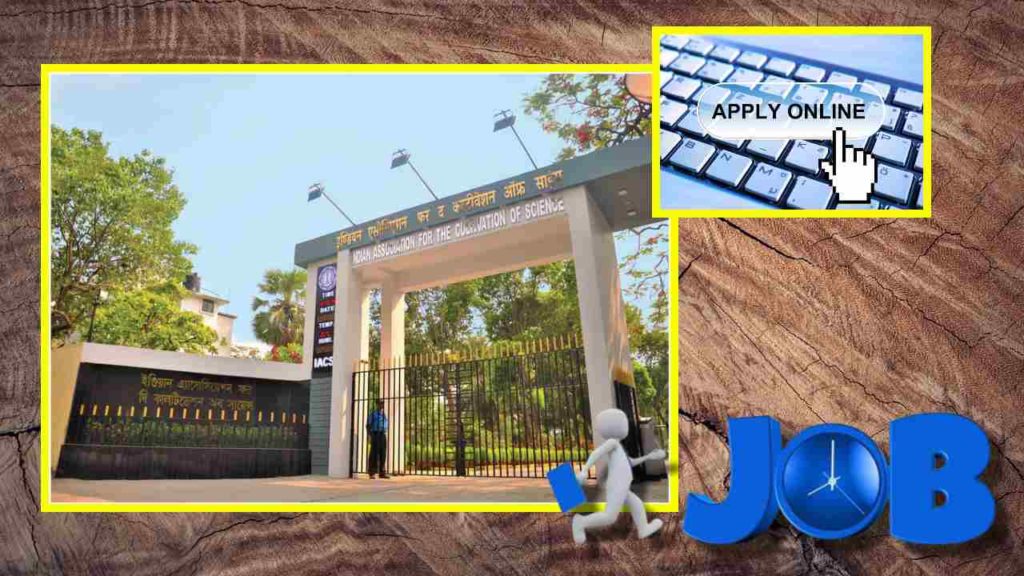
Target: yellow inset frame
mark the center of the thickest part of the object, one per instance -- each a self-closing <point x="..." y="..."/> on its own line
<point x="926" y="183"/>
<point x="46" y="503"/>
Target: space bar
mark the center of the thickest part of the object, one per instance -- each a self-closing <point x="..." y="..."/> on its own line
<point x="681" y="192"/>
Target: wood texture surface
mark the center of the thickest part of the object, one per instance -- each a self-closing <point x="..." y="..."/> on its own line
<point x="851" y="321"/>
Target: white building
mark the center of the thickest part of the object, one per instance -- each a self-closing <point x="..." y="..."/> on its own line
<point x="210" y="306"/>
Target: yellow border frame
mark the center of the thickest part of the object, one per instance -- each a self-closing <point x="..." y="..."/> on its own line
<point x="924" y="31"/>
<point x="46" y="505"/>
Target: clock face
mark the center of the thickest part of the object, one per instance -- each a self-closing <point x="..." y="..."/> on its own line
<point x="831" y="481"/>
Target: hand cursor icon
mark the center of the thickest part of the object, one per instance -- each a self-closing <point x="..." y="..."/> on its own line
<point x="852" y="171"/>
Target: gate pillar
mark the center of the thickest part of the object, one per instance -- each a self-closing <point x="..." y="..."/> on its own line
<point x="392" y="353"/>
<point x="602" y="311"/>
<point x="349" y="333"/>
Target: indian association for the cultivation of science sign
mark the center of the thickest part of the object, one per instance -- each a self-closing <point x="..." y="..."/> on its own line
<point x="504" y="217"/>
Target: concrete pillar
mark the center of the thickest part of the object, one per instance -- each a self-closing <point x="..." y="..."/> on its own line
<point x="602" y="310"/>
<point x="392" y="353"/>
<point x="309" y="326"/>
<point x="349" y="335"/>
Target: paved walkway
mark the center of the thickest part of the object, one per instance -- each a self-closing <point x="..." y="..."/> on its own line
<point x="421" y="489"/>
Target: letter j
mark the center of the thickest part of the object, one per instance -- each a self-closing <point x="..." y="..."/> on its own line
<point x="750" y="506"/>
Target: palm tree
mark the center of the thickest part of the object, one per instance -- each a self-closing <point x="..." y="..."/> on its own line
<point x="280" y="318"/>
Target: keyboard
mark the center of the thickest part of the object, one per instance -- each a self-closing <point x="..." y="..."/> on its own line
<point x="780" y="174"/>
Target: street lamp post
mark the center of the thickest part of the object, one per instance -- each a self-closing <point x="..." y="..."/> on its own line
<point x="506" y="119"/>
<point x="317" y="190"/>
<point x="100" y="296"/>
<point x="402" y="157"/>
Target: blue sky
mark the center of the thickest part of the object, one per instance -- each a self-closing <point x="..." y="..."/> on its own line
<point x="244" y="149"/>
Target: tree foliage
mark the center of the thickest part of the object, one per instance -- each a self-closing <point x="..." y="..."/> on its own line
<point x="280" y="316"/>
<point x="111" y="226"/>
<point x="291" y="353"/>
<point x="152" y="318"/>
<point x="588" y="111"/>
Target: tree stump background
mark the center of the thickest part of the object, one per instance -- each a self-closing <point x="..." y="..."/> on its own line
<point x="855" y="321"/>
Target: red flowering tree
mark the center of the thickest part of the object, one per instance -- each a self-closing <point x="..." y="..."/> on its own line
<point x="588" y="111"/>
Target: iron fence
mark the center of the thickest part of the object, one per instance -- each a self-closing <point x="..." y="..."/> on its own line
<point x="512" y="414"/>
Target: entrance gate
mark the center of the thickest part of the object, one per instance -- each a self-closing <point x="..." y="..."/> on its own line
<point x="508" y="412"/>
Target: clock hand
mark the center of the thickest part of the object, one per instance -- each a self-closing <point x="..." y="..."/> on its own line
<point x="843" y="492"/>
<point x="813" y="492"/>
<point x="832" y="466"/>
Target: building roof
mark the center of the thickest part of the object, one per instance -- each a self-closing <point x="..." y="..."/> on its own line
<point x="618" y="179"/>
<point x="209" y="296"/>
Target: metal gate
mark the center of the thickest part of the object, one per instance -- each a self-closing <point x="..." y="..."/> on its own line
<point x="514" y="411"/>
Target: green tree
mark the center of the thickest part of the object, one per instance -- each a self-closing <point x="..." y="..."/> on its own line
<point x="152" y="318"/>
<point x="437" y="319"/>
<point x="111" y="226"/>
<point x="532" y="303"/>
<point x="280" y="317"/>
<point x="646" y="268"/>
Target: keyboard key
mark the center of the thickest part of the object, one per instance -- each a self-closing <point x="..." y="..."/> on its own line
<point x="776" y="86"/>
<point x="691" y="155"/>
<point x="734" y="144"/>
<point x="770" y="149"/>
<point x="809" y="194"/>
<point x="806" y="94"/>
<point x="871" y="205"/>
<point x="666" y="77"/>
<point x="687" y="64"/>
<point x="753" y="60"/>
<point x="768" y="182"/>
<point x="729" y="168"/>
<point x="710" y="95"/>
<point x="742" y="98"/>
<point x="881" y="88"/>
<point x="844" y="98"/>
<point x="891" y="148"/>
<point x="890" y="117"/>
<point x="667" y="57"/>
<point x="745" y="76"/>
<point x="668" y="142"/>
<point x="805" y="156"/>
<point x="845" y="80"/>
<point x="725" y="53"/>
<point x="715" y="71"/>
<point x="919" y="202"/>
<point x="691" y="125"/>
<point x="919" y="160"/>
<point x="671" y="111"/>
<point x="674" y="41"/>
<point x="699" y="46"/>
<point x="809" y="73"/>
<point x="861" y="143"/>
<point x="908" y="98"/>
<point x="893" y="184"/>
<point x="780" y="66"/>
<point x="681" y="88"/>
<point x="914" y="125"/>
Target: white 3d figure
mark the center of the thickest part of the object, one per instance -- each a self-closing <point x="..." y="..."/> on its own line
<point x="613" y="425"/>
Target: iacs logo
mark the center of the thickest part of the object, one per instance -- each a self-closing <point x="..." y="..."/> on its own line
<point x="832" y="482"/>
<point x="327" y="279"/>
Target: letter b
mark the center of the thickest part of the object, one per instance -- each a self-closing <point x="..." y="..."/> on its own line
<point x="917" y="479"/>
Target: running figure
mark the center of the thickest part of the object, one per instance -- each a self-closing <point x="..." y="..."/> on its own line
<point x="613" y="425"/>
